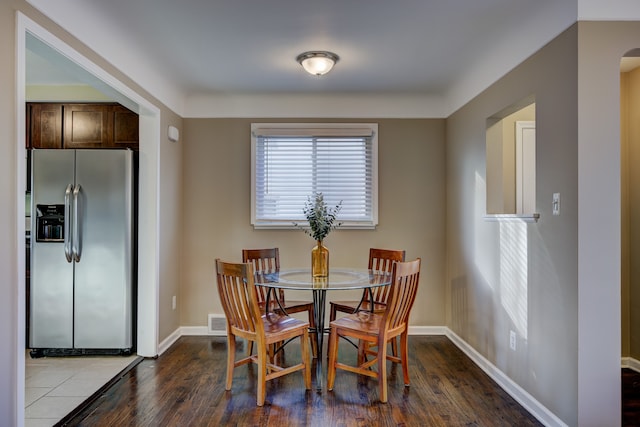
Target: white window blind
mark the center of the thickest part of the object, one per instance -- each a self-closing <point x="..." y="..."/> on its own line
<point x="291" y="164"/>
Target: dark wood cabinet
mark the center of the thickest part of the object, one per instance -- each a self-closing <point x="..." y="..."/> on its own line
<point x="125" y="127"/>
<point x="81" y="125"/>
<point x="44" y="125"/>
<point x="87" y="126"/>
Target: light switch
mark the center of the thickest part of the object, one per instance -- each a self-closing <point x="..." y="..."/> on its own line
<point x="556" y="203"/>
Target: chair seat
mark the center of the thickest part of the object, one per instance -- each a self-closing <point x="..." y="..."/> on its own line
<point x="361" y="322"/>
<point x="280" y="324"/>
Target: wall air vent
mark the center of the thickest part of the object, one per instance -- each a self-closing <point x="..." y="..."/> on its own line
<point x="217" y="325"/>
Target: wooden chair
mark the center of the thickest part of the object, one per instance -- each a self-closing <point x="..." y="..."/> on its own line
<point x="245" y="319"/>
<point x="268" y="261"/>
<point x="375" y="330"/>
<point x="380" y="260"/>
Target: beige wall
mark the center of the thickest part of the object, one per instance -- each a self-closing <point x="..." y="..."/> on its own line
<point x="506" y="276"/>
<point x="169" y="243"/>
<point x="630" y="158"/>
<point x="217" y="191"/>
<point x="625" y="211"/>
<point x="62" y="93"/>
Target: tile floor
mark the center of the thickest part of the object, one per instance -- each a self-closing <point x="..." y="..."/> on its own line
<point x="54" y="386"/>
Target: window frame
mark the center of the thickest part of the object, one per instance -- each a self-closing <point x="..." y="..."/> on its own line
<point x="306" y="129"/>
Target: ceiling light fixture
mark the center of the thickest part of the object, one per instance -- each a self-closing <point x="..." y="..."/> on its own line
<point x="317" y="63"/>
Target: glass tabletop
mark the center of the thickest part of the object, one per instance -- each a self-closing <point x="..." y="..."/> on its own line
<point x="339" y="278"/>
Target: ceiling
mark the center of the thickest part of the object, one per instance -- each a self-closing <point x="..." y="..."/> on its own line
<point x="431" y="48"/>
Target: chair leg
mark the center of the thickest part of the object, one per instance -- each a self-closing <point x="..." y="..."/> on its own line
<point x="333" y="354"/>
<point x="271" y="352"/>
<point x="363" y="346"/>
<point x="332" y="313"/>
<point x="394" y="347"/>
<point x="249" y="348"/>
<point x="262" y="374"/>
<point x="382" y="371"/>
<point x="404" y="356"/>
<point x="231" y="359"/>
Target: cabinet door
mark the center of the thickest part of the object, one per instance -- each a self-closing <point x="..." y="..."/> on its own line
<point x="125" y="128"/>
<point x="45" y="125"/>
<point x="87" y="126"/>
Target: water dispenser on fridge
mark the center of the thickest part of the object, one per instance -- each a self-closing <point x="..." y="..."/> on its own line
<point x="50" y="223"/>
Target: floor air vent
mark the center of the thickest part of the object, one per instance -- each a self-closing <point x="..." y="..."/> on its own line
<point x="217" y="324"/>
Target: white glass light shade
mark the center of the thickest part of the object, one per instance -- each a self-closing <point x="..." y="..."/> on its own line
<point x="317" y="62"/>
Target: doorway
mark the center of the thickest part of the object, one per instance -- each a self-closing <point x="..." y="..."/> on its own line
<point x="147" y="327"/>
<point x="630" y="211"/>
<point x="630" y="234"/>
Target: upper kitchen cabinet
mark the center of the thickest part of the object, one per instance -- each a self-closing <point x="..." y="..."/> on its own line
<point x="125" y="127"/>
<point x="44" y="125"/>
<point x="87" y="126"/>
<point x="81" y="126"/>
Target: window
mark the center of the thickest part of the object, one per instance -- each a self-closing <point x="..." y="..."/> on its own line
<point x="291" y="162"/>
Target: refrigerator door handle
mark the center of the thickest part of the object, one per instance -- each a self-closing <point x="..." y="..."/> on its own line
<point x="67" y="225"/>
<point x="77" y="238"/>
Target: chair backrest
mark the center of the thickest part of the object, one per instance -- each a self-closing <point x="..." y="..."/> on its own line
<point x="239" y="297"/>
<point x="264" y="261"/>
<point x="383" y="260"/>
<point x="402" y="293"/>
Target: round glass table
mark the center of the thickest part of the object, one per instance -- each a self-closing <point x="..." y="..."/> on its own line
<point x="338" y="279"/>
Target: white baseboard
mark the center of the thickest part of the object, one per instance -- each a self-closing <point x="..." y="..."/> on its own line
<point x="201" y="330"/>
<point x="527" y="401"/>
<point x="428" y="330"/>
<point x="168" y="342"/>
<point x="631" y="363"/>
<point x="186" y="331"/>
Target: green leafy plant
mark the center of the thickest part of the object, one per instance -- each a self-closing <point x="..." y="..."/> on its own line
<point x="321" y="218"/>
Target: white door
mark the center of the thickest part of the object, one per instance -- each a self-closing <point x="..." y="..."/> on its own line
<point x="525" y="167"/>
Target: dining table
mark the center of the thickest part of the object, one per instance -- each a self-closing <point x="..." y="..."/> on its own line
<point x="338" y="279"/>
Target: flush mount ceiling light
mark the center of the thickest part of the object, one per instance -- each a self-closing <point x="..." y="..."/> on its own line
<point x="317" y="62"/>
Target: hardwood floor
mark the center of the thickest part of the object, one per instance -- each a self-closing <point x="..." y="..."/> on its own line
<point x="185" y="387"/>
<point x="630" y="397"/>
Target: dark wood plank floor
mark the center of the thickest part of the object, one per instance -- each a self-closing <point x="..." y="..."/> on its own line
<point x="630" y="398"/>
<point x="185" y="387"/>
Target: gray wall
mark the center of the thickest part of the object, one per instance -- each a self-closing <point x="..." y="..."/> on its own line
<point x="9" y="374"/>
<point x="505" y="276"/>
<point x="600" y="47"/>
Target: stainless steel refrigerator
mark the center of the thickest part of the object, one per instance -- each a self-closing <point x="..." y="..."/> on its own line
<point x="81" y="289"/>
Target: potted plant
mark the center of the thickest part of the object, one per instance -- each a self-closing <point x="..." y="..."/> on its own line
<point x="321" y="219"/>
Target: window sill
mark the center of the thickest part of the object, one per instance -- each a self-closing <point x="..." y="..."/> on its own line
<point x="512" y="217"/>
